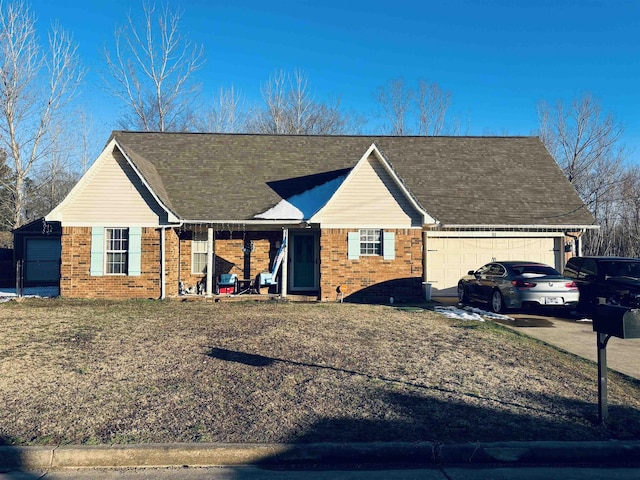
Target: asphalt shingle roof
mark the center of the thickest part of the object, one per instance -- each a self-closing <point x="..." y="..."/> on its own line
<point x="457" y="180"/>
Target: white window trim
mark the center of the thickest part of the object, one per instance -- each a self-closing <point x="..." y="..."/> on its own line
<point x="107" y="251"/>
<point x="378" y="232"/>
<point x="194" y="241"/>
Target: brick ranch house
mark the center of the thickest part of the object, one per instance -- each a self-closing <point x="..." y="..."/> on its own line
<point x="380" y="216"/>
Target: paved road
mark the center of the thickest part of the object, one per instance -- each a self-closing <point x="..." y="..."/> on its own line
<point x="254" y="473"/>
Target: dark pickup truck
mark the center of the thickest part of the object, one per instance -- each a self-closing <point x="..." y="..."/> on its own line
<point x="612" y="280"/>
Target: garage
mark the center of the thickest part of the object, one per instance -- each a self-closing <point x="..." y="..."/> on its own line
<point x="451" y="257"/>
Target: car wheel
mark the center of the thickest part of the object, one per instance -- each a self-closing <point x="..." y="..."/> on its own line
<point x="462" y="293"/>
<point x="497" y="303"/>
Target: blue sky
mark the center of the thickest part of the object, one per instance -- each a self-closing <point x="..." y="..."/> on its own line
<point x="498" y="58"/>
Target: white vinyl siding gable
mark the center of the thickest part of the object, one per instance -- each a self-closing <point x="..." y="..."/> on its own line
<point x="111" y="194"/>
<point x="370" y="196"/>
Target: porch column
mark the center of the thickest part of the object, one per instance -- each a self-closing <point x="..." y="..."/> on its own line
<point x="163" y="264"/>
<point x="285" y="261"/>
<point x="209" y="261"/>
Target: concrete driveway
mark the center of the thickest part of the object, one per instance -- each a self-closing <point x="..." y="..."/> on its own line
<point x="573" y="335"/>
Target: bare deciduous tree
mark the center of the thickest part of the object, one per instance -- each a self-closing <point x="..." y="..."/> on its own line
<point x="433" y="104"/>
<point x="151" y="71"/>
<point x="6" y="197"/>
<point x="36" y="86"/>
<point x="290" y="108"/>
<point x="586" y="144"/>
<point x="227" y="116"/>
<point x="396" y="99"/>
<point x="425" y="108"/>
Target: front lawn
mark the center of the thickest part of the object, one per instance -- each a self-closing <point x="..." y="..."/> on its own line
<point x="98" y="372"/>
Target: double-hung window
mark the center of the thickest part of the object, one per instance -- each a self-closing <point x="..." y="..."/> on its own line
<point x="370" y="242"/>
<point x="116" y="249"/>
<point x="199" y="252"/>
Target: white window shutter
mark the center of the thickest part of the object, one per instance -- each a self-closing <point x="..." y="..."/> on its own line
<point x="388" y="246"/>
<point x="353" y="245"/>
<point x="97" y="252"/>
<point x="135" y="251"/>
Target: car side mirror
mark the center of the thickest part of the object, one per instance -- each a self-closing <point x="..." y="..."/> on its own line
<point x="471" y="272"/>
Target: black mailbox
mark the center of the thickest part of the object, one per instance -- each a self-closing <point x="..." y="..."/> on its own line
<point x="617" y="321"/>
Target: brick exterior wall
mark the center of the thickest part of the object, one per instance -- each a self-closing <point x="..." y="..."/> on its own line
<point x="172" y="262"/>
<point x="77" y="282"/>
<point x="371" y="278"/>
<point x="368" y="279"/>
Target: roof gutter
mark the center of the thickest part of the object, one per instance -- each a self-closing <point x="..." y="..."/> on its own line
<point x="246" y="222"/>
<point x="556" y="227"/>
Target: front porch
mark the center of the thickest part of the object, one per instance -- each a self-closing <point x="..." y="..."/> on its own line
<point x="237" y="260"/>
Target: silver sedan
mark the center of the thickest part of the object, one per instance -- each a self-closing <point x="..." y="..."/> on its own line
<point x="516" y="285"/>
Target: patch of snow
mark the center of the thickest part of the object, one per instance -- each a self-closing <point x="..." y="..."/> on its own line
<point x="7" y="294"/>
<point x="304" y="205"/>
<point x="283" y="210"/>
<point x="469" y="313"/>
<point x="458" y="314"/>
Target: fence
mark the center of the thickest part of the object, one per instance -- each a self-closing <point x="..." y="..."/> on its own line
<point x="7" y="270"/>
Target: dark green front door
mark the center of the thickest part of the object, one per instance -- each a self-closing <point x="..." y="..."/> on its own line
<point x="304" y="262"/>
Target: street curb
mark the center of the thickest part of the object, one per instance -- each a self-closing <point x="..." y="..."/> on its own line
<point x="405" y="453"/>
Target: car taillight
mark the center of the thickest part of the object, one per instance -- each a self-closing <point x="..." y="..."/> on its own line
<point x="571" y="285"/>
<point x="522" y="284"/>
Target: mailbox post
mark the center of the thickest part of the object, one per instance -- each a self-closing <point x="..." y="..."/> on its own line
<point x="611" y="321"/>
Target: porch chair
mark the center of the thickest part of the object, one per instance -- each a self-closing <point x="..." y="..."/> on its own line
<point x="227" y="284"/>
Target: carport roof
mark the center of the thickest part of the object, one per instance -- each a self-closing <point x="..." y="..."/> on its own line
<point x="480" y="181"/>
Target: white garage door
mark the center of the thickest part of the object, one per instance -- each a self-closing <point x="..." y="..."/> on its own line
<point x="449" y="259"/>
<point x="42" y="264"/>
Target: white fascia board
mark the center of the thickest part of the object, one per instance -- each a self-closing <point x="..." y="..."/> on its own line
<point x="376" y="226"/>
<point x="531" y="227"/>
<point x="317" y="217"/>
<point x="263" y="221"/>
<point x="102" y="223"/>
<point x="171" y="217"/>
<point x="491" y="234"/>
<point x="55" y="215"/>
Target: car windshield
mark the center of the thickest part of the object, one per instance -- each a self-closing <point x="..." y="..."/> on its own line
<point x="622" y="269"/>
<point x="533" y="270"/>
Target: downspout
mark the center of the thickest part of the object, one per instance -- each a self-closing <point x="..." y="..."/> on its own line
<point x="163" y="264"/>
<point x="577" y="241"/>
<point x="285" y="262"/>
<point x="209" y="261"/>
